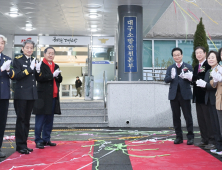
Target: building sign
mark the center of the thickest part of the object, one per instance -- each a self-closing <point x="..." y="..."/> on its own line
<point x="64" y="40"/>
<point x="103" y="41"/>
<point x="20" y="39"/>
<point x="102" y="62"/>
<point x="130" y="44"/>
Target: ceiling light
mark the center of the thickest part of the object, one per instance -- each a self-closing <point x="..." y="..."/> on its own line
<point x="13" y="14"/>
<point x="94" y="30"/>
<point x="93" y="26"/>
<point x="93" y="15"/>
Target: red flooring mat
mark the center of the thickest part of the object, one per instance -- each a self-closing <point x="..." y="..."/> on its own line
<point x="182" y="157"/>
<point x="64" y="156"/>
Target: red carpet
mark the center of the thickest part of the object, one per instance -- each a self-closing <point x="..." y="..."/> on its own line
<point x="64" y="156"/>
<point x="182" y="157"/>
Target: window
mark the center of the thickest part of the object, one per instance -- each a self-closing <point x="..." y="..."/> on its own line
<point x="187" y="48"/>
<point x="147" y="53"/>
<point x="162" y="53"/>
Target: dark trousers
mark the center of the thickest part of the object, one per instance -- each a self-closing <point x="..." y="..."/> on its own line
<point x="219" y="113"/>
<point x="176" y="104"/>
<point x="3" y="117"/>
<point x="23" y="109"/>
<point x="43" y="125"/>
<point x="215" y="126"/>
<point x="204" y="121"/>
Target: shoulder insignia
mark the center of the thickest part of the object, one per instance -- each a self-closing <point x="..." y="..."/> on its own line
<point x="33" y="57"/>
<point x="18" y="57"/>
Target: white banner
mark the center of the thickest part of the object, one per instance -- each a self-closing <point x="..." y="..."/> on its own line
<point x="64" y="40"/>
<point x="103" y="41"/>
<point x="20" y="39"/>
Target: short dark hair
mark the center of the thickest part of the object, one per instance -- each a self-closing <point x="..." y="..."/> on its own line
<point x="45" y="51"/>
<point x="176" y="49"/>
<point x="200" y="47"/>
<point x="219" y="53"/>
<point x="216" y="53"/>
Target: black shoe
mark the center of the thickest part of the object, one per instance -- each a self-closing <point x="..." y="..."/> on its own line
<point x="40" y="145"/>
<point x="23" y="151"/>
<point x="49" y="144"/>
<point x="190" y="142"/>
<point x="201" y="144"/>
<point x="29" y="149"/>
<point x="2" y="155"/>
<point x="178" y="141"/>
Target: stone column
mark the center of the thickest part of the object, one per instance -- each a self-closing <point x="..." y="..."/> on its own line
<point x="130" y="43"/>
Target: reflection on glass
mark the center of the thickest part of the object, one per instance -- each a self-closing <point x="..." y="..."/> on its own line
<point x="147" y="53"/>
<point x="187" y="48"/>
<point x="65" y="94"/>
<point x="65" y="87"/>
<point x="101" y="54"/>
<point x="162" y="53"/>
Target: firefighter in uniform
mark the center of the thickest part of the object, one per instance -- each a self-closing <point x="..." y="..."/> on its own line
<point x="6" y="72"/>
<point x="25" y="94"/>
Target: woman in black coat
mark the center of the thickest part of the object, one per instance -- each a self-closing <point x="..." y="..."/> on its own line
<point x="47" y="104"/>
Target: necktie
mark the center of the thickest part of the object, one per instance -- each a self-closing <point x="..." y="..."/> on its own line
<point x="178" y="65"/>
<point x="199" y="68"/>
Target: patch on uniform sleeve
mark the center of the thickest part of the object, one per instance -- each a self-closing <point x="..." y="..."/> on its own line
<point x="18" y="57"/>
<point x="26" y="72"/>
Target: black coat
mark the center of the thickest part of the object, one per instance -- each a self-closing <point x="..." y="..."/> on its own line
<point x="210" y="91"/>
<point x="78" y="83"/>
<point x="198" y="92"/>
<point x="43" y="105"/>
<point x="25" y="87"/>
<point x="4" y="79"/>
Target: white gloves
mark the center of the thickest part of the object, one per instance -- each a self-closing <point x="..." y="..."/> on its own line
<point x="217" y="77"/>
<point x="201" y="83"/>
<point x="188" y="75"/>
<point x="38" y="65"/>
<point x="182" y="74"/>
<point x="173" y="73"/>
<point x="56" y="73"/>
<point x="6" y="65"/>
<point x="32" y="65"/>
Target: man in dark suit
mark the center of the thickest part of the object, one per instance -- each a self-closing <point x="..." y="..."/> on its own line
<point x="180" y="95"/>
<point x="5" y="74"/>
<point x="25" y="94"/>
<point x="203" y="114"/>
<point x="47" y="104"/>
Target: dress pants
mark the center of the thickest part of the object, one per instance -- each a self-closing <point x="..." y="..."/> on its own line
<point x="215" y="126"/>
<point x="219" y="113"/>
<point x="3" y="117"/>
<point x="176" y="104"/>
<point x="43" y="125"/>
<point x="203" y="118"/>
<point x="23" y="109"/>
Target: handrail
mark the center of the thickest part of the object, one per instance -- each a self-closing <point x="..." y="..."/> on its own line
<point x="104" y="94"/>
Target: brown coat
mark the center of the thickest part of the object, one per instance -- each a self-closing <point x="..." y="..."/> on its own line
<point x="218" y="94"/>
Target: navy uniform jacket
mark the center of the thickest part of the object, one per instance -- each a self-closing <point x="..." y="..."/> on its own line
<point x="185" y="88"/>
<point x="4" y="79"/>
<point x="25" y="87"/>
